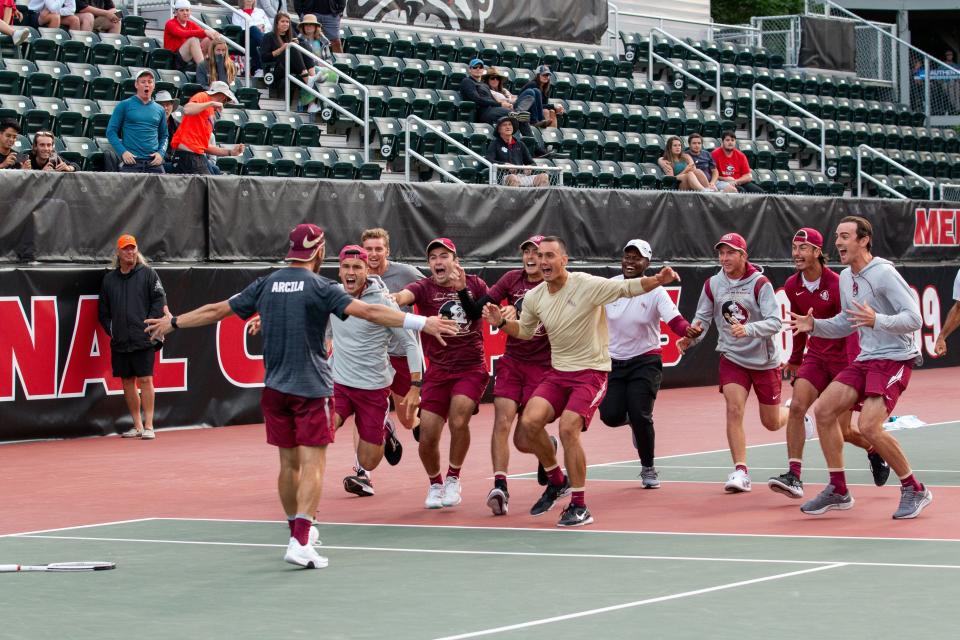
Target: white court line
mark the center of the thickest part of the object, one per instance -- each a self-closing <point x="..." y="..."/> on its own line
<point x="560" y="531"/>
<point x="751" y="467"/>
<point x="636" y="603"/>
<point x="79" y="526"/>
<point x="714" y="482"/>
<point x="525" y="554"/>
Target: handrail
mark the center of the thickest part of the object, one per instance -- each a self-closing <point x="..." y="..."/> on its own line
<point x="947" y="185"/>
<point x="615" y="33"/>
<point x="776" y="96"/>
<point x="709" y="25"/>
<point x="888" y="160"/>
<point x="246" y="36"/>
<point x="410" y="152"/>
<point x="667" y="62"/>
<point x="365" y="122"/>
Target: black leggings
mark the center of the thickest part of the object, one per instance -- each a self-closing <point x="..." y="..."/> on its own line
<point x="632" y="388"/>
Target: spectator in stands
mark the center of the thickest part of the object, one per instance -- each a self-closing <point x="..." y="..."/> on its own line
<point x="706" y="167"/>
<point x="273" y="51"/>
<point x="495" y="81"/>
<point x="169" y="104"/>
<point x="55" y="14"/>
<point x="311" y="37"/>
<point x="952" y="84"/>
<point x="489" y="109"/>
<point x="217" y="66"/>
<point x="329" y="12"/>
<point x="98" y="15"/>
<point x="193" y="139"/>
<point x="270" y="7"/>
<point x="42" y="156"/>
<point x="674" y="162"/>
<point x="733" y="167"/>
<point x="9" y="14"/>
<point x="19" y="36"/>
<point x="259" y="25"/>
<point x="533" y="98"/>
<point x="506" y="149"/>
<point x="138" y="129"/>
<point x="9" y="158"/>
<point x="183" y="36"/>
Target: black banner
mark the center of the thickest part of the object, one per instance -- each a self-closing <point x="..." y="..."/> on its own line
<point x="55" y="360"/>
<point x="827" y="43"/>
<point x="561" y="20"/>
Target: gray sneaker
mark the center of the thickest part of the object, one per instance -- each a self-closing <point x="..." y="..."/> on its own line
<point x="650" y="478"/>
<point x="826" y="500"/>
<point x="912" y="502"/>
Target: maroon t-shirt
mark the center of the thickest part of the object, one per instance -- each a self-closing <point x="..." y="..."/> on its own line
<point x="825" y="302"/>
<point x="512" y="287"/>
<point x="464" y="351"/>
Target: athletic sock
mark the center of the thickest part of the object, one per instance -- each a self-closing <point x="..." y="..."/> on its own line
<point x="437" y="479"/>
<point x="839" y="481"/>
<point x="500" y="481"/>
<point x="871" y="450"/>
<point x="741" y="467"/>
<point x="576" y="498"/>
<point x="301" y="528"/>
<point x="795" y="466"/>
<point x="911" y="481"/>
<point x="290" y="520"/>
<point x="555" y="476"/>
<point x="453" y="472"/>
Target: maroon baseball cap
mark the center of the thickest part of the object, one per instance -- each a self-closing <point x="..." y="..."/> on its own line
<point x="810" y="236"/>
<point x="733" y="240"/>
<point x="534" y="240"/>
<point x="446" y="243"/>
<point x="305" y="241"/>
<point x="353" y="251"/>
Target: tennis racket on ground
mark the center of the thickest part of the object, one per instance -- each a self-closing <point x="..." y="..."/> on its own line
<point x="61" y="567"/>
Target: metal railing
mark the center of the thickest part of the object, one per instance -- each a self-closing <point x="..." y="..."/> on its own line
<point x="754" y="114"/>
<point x="879" y="156"/>
<point x="364" y="122"/>
<point x="652" y="56"/>
<point x="410" y="153"/>
<point x="710" y="30"/>
<point x="613" y="34"/>
<point x="495" y="175"/>
<point x="950" y="192"/>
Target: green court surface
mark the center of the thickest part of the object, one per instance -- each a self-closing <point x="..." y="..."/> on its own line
<point x="226" y="579"/>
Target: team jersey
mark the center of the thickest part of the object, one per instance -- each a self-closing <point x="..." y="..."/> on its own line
<point x="825" y="302"/>
<point x="513" y="287"/>
<point x="464" y="351"/>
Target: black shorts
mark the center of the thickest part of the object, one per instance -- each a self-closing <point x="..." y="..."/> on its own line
<point x="187" y="163"/>
<point x="133" y="364"/>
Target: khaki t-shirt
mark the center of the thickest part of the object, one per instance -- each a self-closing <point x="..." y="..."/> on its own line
<point x="575" y="319"/>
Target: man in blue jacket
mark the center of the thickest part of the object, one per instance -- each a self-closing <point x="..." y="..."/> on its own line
<point x="138" y="129"/>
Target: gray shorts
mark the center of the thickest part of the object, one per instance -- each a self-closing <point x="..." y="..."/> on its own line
<point x="330" y="25"/>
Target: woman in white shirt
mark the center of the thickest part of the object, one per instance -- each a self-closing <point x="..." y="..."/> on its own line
<point x="259" y="25"/>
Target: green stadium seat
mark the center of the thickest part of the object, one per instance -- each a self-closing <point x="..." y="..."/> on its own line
<point x="320" y="164"/>
<point x="550" y="55"/>
<point x="481" y="137"/>
<point x="489" y="51"/>
<point x="602" y="89"/>
<point x="616" y="117"/>
<point x="47" y="46"/>
<point x="575" y="116"/>
<point x="468" y="48"/>
<point x="14" y="108"/>
<point x="435" y="75"/>
<point x="562" y="84"/>
<point x="46" y="80"/>
<point x="97" y="123"/>
<point x="587" y="172"/>
<point x="591" y="145"/>
<point x="568" y="60"/>
<point x="380" y="42"/>
<point x="132" y="25"/>
<point x="597" y="115"/>
<point x="425" y="46"/>
<point x="447" y="48"/>
<point x="227" y="126"/>
<point x="612" y="146"/>
<point x="765" y="179"/>
<point x="458" y="71"/>
<point x="413" y="72"/>
<point x="633" y="147"/>
<point x="582" y="87"/>
<point x="260" y="161"/>
<point x="78" y="149"/>
<point x="653" y="145"/>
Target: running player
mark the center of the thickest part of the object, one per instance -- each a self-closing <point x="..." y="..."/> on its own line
<point x="570" y="306"/>
<point x="816" y="287"/>
<point x="521" y="368"/>
<point x="294" y="304"/>
<point x="457" y="377"/>
<point x="637" y="367"/>
<point x="877" y="303"/>
<point x="952" y="321"/>
<point x="361" y="368"/>
<point x="742" y="303"/>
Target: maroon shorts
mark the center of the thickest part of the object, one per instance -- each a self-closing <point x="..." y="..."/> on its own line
<point x="578" y="391"/>
<point x="401" y="375"/>
<point x="517" y="380"/>
<point x="294" y="420"/>
<point x="440" y="386"/>
<point x="886" y="379"/>
<point x="370" y="407"/>
<point x="820" y="372"/>
<point x="766" y="382"/>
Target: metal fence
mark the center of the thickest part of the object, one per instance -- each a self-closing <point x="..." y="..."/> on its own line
<point x="950" y="192"/>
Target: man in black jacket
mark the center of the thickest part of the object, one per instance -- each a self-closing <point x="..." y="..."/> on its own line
<point x="131" y="293"/>
<point x="505" y="149"/>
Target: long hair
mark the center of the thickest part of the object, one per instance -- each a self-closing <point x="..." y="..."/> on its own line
<point x="668" y="155"/>
<point x="543" y="86"/>
<point x="288" y="36"/>
<point x="115" y="260"/>
<point x="228" y="65"/>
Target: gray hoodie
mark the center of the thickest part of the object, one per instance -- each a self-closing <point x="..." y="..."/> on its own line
<point x="750" y="301"/>
<point x="898" y="315"/>
<point x="360" y="347"/>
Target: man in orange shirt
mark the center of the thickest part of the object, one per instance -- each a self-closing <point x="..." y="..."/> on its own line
<point x="192" y="141"/>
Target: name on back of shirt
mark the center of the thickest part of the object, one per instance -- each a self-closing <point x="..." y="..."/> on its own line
<point x="287" y="287"/>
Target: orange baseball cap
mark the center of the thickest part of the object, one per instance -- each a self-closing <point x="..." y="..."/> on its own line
<point x="126" y="240"/>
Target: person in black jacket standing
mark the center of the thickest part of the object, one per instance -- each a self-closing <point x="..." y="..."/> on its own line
<point x="130" y="293"/>
<point x="329" y="13"/>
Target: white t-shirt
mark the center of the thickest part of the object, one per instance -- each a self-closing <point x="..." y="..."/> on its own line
<point x="810" y="286"/>
<point x="956" y="287"/>
<point x="634" y="323"/>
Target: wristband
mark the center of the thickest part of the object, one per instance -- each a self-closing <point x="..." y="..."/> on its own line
<point x="173" y="322"/>
<point x="414" y="322"/>
<point x="503" y="323"/>
<point x="416" y="383"/>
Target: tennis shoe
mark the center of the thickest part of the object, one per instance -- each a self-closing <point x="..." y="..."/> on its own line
<point x="451" y="492"/>
<point x="542" y="478"/>
<point x="550" y="496"/>
<point x="574" y="516"/>
<point x="358" y="485"/>
<point x="912" y="502"/>
<point x="737" y="482"/>
<point x="20" y="36"/>
<point x="497" y="500"/>
<point x="434" y="497"/>
<point x="148" y="434"/>
<point x="649" y="478"/>
<point x="788" y="484"/>
<point x="313" y="537"/>
<point x="392" y="449"/>
<point x="826" y="500"/>
<point x="879" y="468"/>
<point x="130" y="433"/>
<point x="304" y="555"/>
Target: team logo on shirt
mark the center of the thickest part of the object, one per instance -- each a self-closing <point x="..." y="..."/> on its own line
<point x="856" y="288"/>
<point x="734" y="312"/>
<point x="453" y="310"/>
<point x="824" y="295"/>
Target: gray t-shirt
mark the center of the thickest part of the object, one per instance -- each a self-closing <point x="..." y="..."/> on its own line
<point x="396" y="278"/>
<point x="294" y="306"/>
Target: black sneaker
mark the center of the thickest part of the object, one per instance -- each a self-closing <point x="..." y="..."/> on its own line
<point x="575" y="517"/>
<point x="358" y="485"/>
<point x="542" y="478"/>
<point x="787" y="484"/>
<point x="550" y="496"/>
<point x="416" y="433"/>
<point x="392" y="449"/>
<point x="879" y="468"/>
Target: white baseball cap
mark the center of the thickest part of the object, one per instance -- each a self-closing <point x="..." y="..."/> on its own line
<point x="642" y="246"/>
<point x="220" y="86"/>
<point x="181" y="4"/>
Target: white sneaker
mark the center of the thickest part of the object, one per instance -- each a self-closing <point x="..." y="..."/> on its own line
<point x="451" y="492"/>
<point x="313" y="107"/>
<point x="737" y="482"/>
<point x="314" y="537"/>
<point x="148" y="434"/>
<point x="434" y="497"/>
<point x="304" y="555"/>
<point x="131" y="433"/>
<point x="20" y="36"/>
<point x="258" y="73"/>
